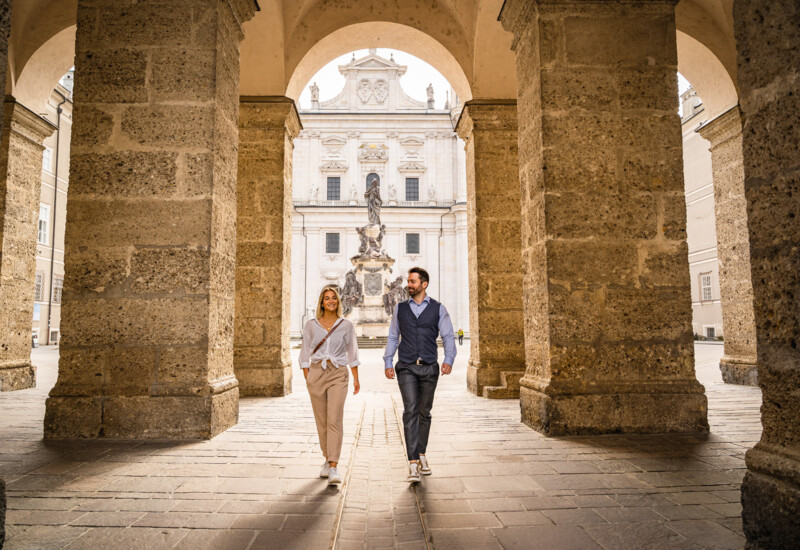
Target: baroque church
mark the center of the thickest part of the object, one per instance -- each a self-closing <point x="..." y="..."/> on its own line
<point x="374" y="127"/>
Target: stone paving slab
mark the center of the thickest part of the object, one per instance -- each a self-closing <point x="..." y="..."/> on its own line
<point x="496" y="483"/>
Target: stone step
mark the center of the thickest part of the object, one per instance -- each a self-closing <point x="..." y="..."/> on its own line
<point x="377" y="342"/>
<point x="509" y="389"/>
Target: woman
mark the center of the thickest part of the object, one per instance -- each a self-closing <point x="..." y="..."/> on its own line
<point x="329" y="345"/>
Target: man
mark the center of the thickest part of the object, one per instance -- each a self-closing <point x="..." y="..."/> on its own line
<point x="419" y="320"/>
<point x="460" y="337"/>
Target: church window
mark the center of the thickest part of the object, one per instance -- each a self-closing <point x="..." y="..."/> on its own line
<point x="412" y="189"/>
<point x="331" y="243"/>
<point x="58" y="286"/>
<point x="412" y="243"/>
<point x="334" y="188"/>
<point x="44" y="218"/>
<point x="705" y="286"/>
<point x="38" y="294"/>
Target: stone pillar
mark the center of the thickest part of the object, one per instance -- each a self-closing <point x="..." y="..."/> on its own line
<point x="261" y="356"/>
<point x="21" y="149"/>
<point x="147" y="311"/>
<point x="5" y="29"/>
<point x="767" y="39"/>
<point x="607" y="302"/>
<point x="738" y="365"/>
<point x="497" y="354"/>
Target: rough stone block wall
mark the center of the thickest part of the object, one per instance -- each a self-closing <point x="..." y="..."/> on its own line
<point x="262" y="361"/>
<point x="489" y="129"/>
<point x="21" y="149"/>
<point x="738" y="365"/>
<point x="606" y="279"/>
<point x="147" y="312"/>
<point x="768" y="49"/>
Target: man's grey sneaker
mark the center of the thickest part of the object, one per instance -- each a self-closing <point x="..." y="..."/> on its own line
<point x="413" y="472"/>
<point x="326" y="468"/>
<point x="333" y="477"/>
<point x="424" y="467"/>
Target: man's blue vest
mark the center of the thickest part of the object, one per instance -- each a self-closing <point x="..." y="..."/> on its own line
<point x="418" y="334"/>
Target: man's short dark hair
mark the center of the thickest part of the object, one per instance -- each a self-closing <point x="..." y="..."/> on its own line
<point x="423" y="275"/>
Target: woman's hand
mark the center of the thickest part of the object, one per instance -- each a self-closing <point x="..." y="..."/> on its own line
<point x="356" y="386"/>
<point x="305" y="373"/>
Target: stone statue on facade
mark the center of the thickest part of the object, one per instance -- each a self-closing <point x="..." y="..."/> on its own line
<point x="429" y="90"/>
<point x="314" y="92"/>
<point x="374" y="202"/>
<point x="312" y="194"/>
<point x="395" y="294"/>
<point x="351" y="293"/>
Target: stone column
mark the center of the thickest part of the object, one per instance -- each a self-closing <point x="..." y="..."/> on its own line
<point x="21" y="149"/>
<point x="767" y="38"/>
<point x="607" y="303"/>
<point x="147" y="311"/>
<point x="497" y="353"/>
<point x="5" y="29"/>
<point x="261" y="355"/>
<point x="738" y="365"/>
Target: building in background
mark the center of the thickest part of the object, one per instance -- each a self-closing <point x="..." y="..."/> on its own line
<point x="700" y="221"/>
<point x="373" y="126"/>
<point x="52" y="217"/>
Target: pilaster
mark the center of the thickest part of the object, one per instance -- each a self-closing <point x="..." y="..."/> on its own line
<point x="147" y="310"/>
<point x="21" y="149"/>
<point x="262" y="361"/>
<point x="606" y="294"/>
<point x="497" y="353"/>
<point x="768" y="73"/>
<point x="738" y="365"/>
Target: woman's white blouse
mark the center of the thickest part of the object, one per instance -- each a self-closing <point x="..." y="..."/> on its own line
<point x="341" y="348"/>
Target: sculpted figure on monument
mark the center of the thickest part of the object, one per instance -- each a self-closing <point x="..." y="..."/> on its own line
<point x="351" y="293"/>
<point x="395" y="294"/>
<point x="373" y="198"/>
<point x="362" y="235"/>
<point x="314" y="92"/>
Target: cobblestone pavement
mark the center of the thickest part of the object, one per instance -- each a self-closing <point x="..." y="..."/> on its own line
<point x="496" y="483"/>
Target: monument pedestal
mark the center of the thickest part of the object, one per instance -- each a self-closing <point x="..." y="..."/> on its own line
<point x="374" y="274"/>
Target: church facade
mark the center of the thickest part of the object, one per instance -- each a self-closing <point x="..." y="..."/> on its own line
<point x="372" y="128"/>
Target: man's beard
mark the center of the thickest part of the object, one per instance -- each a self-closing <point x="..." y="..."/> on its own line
<point x="414" y="291"/>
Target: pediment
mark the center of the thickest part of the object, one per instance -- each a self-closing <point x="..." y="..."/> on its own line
<point x="333" y="166"/>
<point x="334" y="140"/>
<point x="412" y="167"/>
<point x="412" y="142"/>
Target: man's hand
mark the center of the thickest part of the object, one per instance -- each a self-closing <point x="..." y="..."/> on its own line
<point x="446" y="369"/>
<point x="389" y="373"/>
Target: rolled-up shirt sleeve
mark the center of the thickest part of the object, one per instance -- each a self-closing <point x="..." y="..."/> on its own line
<point x="392" y="342"/>
<point x="352" y="348"/>
<point x="448" y="338"/>
<point x="305" y="348"/>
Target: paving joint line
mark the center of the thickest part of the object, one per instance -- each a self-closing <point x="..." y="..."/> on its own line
<point x="338" y="519"/>
<point x="425" y="533"/>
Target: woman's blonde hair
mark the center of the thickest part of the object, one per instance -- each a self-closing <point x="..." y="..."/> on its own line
<point x="326" y="288"/>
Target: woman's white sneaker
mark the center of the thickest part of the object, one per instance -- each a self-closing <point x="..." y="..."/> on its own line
<point x="413" y="472"/>
<point x="326" y="469"/>
<point x="424" y="468"/>
<point x="333" y="477"/>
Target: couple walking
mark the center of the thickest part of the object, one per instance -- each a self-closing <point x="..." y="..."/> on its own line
<point x="329" y="345"/>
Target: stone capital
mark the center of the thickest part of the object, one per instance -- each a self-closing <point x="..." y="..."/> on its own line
<point x="487" y="115"/>
<point x="243" y="10"/>
<point x="725" y="127"/>
<point x="25" y="123"/>
<point x="269" y="112"/>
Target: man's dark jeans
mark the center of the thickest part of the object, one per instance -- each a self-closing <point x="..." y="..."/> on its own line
<point x="417" y="385"/>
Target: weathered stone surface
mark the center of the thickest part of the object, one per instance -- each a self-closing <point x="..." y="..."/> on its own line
<point x="607" y="307"/>
<point x="489" y="129"/>
<point x="2" y="511"/>
<point x="21" y="149"/>
<point x="768" y="46"/>
<point x="738" y="365"/>
<point x="267" y="127"/>
<point x="147" y="313"/>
